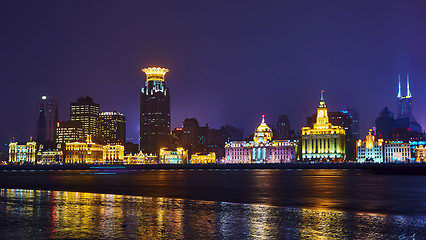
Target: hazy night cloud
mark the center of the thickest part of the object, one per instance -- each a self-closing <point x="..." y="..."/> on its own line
<point x="229" y="62"/>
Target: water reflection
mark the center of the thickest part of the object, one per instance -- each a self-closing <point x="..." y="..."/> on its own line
<point x="58" y="214"/>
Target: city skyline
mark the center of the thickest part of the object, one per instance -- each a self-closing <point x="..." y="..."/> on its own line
<point x="210" y="66"/>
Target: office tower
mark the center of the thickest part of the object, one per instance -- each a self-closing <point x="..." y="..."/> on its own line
<point x="323" y="142"/>
<point x="46" y="121"/>
<point x="86" y="112"/>
<point x="354" y="118"/>
<point x="404" y="107"/>
<point x="154" y="112"/>
<point x="230" y="133"/>
<point x="112" y="127"/>
<point x="283" y="127"/>
<point x="69" y="131"/>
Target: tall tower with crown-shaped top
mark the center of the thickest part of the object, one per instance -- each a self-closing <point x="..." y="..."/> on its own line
<point x="155" y="112"/>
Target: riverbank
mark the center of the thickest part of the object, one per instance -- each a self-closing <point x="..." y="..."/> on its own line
<point x="391" y="168"/>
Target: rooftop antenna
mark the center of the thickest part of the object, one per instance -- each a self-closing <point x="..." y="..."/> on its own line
<point x="408" y="87"/>
<point x="399" y="87"/>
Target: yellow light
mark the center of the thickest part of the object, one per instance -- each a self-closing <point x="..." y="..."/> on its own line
<point x="155" y="73"/>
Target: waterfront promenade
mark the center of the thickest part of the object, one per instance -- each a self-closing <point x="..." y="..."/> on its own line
<point x="394" y="168"/>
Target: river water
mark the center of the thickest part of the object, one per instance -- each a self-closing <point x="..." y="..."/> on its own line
<point x="222" y="204"/>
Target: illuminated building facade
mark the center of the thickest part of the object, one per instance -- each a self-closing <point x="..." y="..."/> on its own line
<point x="23" y="153"/>
<point x="46" y="121"/>
<point x="83" y="152"/>
<point x="113" y="154"/>
<point x="140" y="158"/>
<point x="262" y="149"/>
<point x="397" y="152"/>
<point x="413" y="146"/>
<point x="173" y="156"/>
<point x="370" y="150"/>
<point x="154" y="112"/>
<point x="203" y="158"/>
<point x="69" y="131"/>
<point x="50" y="157"/>
<point x="86" y="112"/>
<point x="349" y="120"/>
<point x="323" y="142"/>
<point x="420" y="154"/>
<point x="112" y="127"/>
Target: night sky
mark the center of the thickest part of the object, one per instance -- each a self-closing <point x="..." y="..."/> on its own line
<point x="230" y="61"/>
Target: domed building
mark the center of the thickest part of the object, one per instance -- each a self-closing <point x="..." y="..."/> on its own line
<point x="263" y="149"/>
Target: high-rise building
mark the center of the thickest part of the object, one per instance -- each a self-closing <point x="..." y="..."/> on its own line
<point x="283" y="127"/>
<point x="87" y="112"/>
<point x="404" y="107"/>
<point x="323" y="141"/>
<point x="155" y="112"/>
<point x="46" y="121"/>
<point x="384" y="124"/>
<point x="112" y="127"/>
<point x="230" y="133"/>
<point x="69" y="131"/>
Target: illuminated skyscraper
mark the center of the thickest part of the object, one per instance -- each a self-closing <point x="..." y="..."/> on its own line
<point x="404" y="107"/>
<point x="113" y="127"/>
<point x="86" y="112"/>
<point x="323" y="141"/>
<point x="155" y="112"/>
<point x="46" y="121"/>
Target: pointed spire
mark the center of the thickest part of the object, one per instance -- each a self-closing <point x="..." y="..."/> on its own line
<point x="399" y="87"/>
<point x="263" y="119"/>
<point x="322" y="95"/>
<point x="408" y="87"/>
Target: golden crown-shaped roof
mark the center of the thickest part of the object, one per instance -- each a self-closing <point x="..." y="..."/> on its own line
<point x="155" y="73"/>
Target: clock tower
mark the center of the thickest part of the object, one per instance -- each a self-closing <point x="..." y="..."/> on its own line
<point x="323" y="142"/>
<point x="322" y="116"/>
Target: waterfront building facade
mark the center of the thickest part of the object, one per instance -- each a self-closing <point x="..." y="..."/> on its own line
<point x="413" y="146"/>
<point x="420" y="154"/>
<point x="140" y="158"/>
<point x="112" y="127"/>
<point x="83" y="152"/>
<point x="262" y="149"/>
<point x="47" y="118"/>
<point x="47" y="157"/>
<point x="173" y="156"/>
<point x="86" y="112"/>
<point x="154" y="112"/>
<point x="370" y="150"/>
<point x="323" y="142"/>
<point x="203" y="158"/>
<point x="23" y="153"/>
<point x="395" y="151"/>
<point x="69" y="131"/>
<point x="113" y="154"/>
